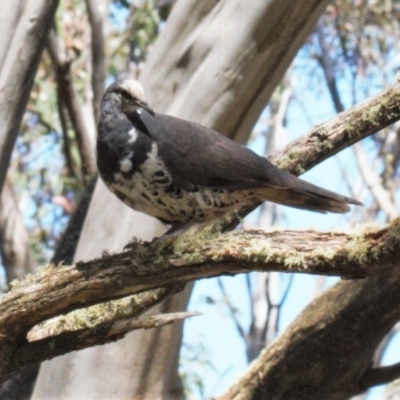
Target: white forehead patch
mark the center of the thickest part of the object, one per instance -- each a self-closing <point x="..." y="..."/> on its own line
<point x="133" y="87"/>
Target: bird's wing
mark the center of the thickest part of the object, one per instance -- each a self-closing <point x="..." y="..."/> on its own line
<point x="198" y="156"/>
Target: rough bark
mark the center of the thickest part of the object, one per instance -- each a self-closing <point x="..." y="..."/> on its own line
<point x="339" y="132"/>
<point x="21" y="48"/>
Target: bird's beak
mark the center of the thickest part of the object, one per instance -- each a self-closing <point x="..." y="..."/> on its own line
<point x="143" y="104"/>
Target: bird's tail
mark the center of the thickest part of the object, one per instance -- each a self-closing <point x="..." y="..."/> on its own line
<point x="306" y="196"/>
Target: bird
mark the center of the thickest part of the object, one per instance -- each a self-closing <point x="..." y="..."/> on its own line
<point x="180" y="172"/>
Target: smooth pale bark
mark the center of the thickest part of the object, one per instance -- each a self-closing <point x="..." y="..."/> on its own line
<point x="216" y="63"/>
<point x="21" y="45"/>
<point x="10" y="14"/>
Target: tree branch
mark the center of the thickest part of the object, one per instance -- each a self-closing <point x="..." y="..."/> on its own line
<point x="327" y="350"/>
<point x="340" y="132"/>
<point x="66" y="140"/>
<point x="191" y="256"/>
<point x="380" y="376"/>
<point x="232" y="310"/>
<point x="67" y="93"/>
<point x="374" y="183"/>
<point x="328" y="67"/>
<point x="91" y="318"/>
<point x="106" y="332"/>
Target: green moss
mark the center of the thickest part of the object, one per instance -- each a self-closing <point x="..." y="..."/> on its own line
<point x="92" y="316"/>
<point x="42" y="272"/>
<point x="357" y="249"/>
<point x="392" y="240"/>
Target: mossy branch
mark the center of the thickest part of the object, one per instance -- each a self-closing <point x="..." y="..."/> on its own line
<point x="165" y="263"/>
<point x="340" y="132"/>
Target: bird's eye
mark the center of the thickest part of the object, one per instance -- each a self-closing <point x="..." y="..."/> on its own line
<point x="125" y="95"/>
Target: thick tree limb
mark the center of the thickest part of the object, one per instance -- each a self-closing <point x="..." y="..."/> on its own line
<point x="380" y="376"/>
<point x="9" y="17"/>
<point x="259" y="37"/>
<point x="83" y="328"/>
<point x="32" y="22"/>
<point x="327" y="350"/>
<point x="54" y="291"/>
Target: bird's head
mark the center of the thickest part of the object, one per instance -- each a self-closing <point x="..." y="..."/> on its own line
<point x="128" y="95"/>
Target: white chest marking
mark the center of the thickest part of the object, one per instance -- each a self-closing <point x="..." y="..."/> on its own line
<point x="143" y="186"/>
<point x="153" y="164"/>
<point x="125" y="164"/>
<point x="132" y="136"/>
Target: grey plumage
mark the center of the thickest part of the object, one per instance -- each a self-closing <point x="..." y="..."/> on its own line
<point x="178" y="171"/>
